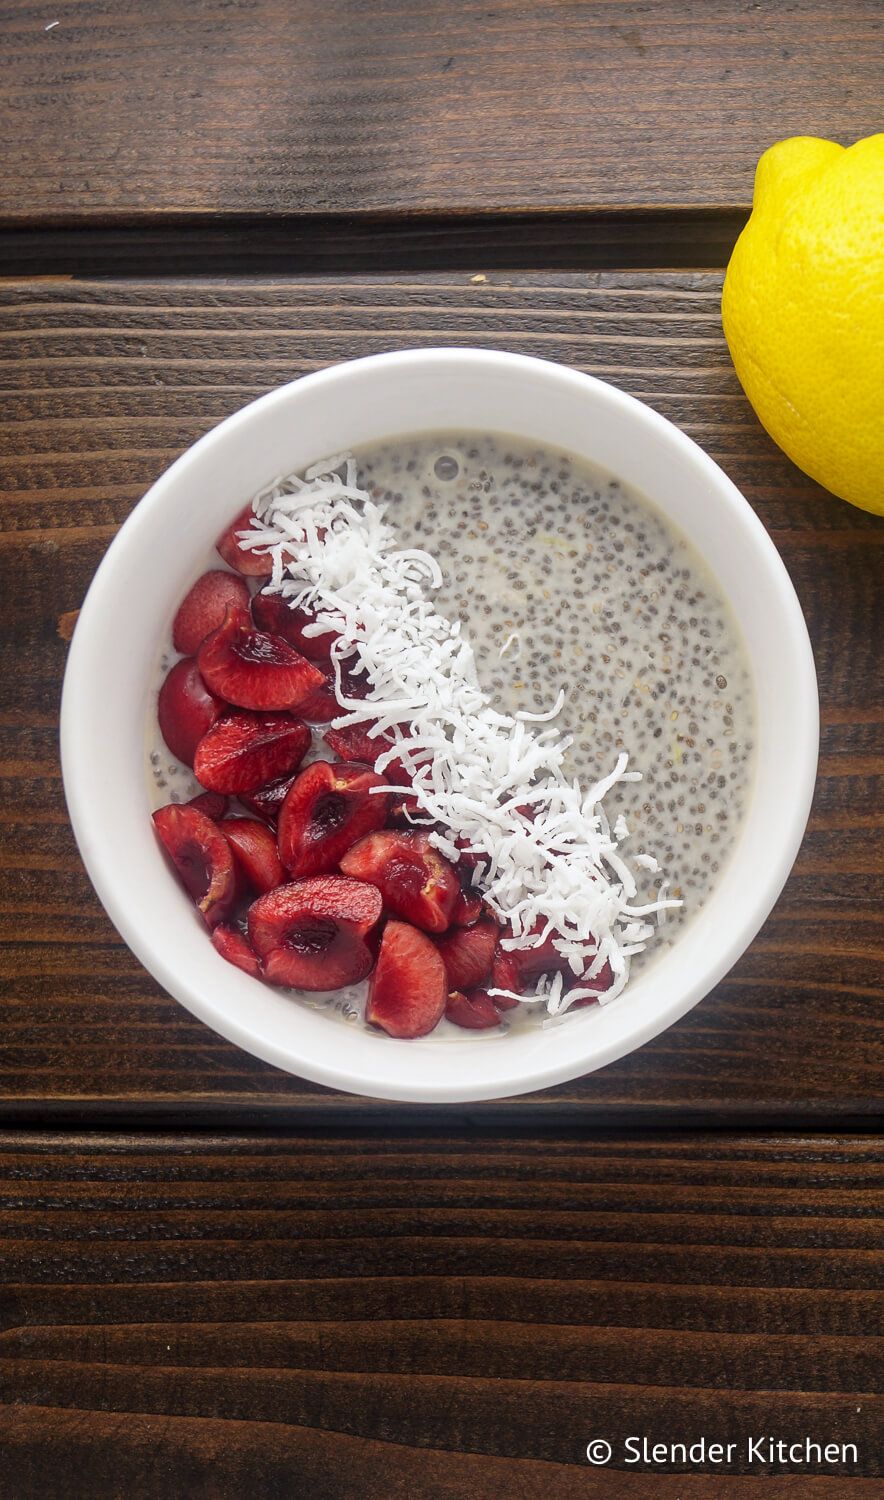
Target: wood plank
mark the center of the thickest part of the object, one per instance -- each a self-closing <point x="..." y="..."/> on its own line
<point x="134" y="1456"/>
<point x="103" y="384"/>
<point x="460" y="1309"/>
<point x="273" y="108"/>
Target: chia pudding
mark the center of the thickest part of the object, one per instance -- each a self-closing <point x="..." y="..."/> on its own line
<point x="565" y="578"/>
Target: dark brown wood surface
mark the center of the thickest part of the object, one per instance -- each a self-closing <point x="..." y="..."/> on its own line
<point x="374" y="1301"/>
<point x="103" y="384"/>
<point x="273" y="107"/>
<point x="432" y="1315"/>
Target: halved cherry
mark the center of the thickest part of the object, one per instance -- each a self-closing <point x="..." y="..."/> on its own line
<point x="355" y="743"/>
<point x="468" y="907"/>
<point x="236" y="948"/>
<point x="467" y="953"/>
<point x="253" y="564"/>
<point x="505" y="975"/>
<point x="330" y="806"/>
<point x="201" y="856"/>
<point x="267" y="800"/>
<point x="408" y="989"/>
<point x="475" y="1011"/>
<point x="254" y="849"/>
<point x="322" y="706"/>
<point x="468" y="858"/>
<point x="601" y="981"/>
<point x="531" y="962"/>
<point x="404" y="808"/>
<point x="186" y="709"/>
<point x="270" y="612"/>
<point x="254" y="670"/>
<point x="213" y="804"/>
<point x="244" y="751"/>
<point x="203" y="609"/>
<point x="310" y="935"/>
<point x="415" y="880"/>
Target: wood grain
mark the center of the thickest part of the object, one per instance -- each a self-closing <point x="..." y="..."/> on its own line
<point x="417" y="105"/>
<point x="102" y="385"/>
<point x="448" y="1317"/>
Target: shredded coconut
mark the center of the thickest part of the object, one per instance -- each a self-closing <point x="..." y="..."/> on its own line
<point x="549" y="864"/>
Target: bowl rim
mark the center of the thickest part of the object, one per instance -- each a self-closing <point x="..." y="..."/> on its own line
<point x="137" y="933"/>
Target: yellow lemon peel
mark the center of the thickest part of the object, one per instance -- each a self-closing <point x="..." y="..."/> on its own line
<point x="803" y="310"/>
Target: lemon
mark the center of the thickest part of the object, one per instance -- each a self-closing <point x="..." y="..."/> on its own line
<point x="803" y="310"/>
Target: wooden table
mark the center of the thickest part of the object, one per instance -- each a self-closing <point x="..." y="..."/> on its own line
<point x="216" y="1279"/>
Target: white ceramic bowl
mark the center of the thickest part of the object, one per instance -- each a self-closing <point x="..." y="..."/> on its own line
<point x="152" y="562"/>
